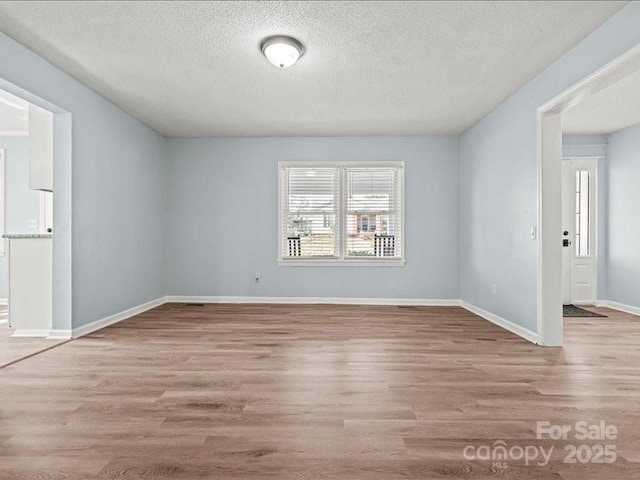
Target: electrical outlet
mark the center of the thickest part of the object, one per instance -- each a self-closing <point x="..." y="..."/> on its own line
<point x="494" y="290"/>
<point x="257" y="276"/>
<point x="33" y="223"/>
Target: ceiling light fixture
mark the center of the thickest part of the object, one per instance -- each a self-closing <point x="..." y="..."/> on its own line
<point x="282" y="51"/>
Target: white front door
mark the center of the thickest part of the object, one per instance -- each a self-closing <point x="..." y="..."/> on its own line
<point x="579" y="231"/>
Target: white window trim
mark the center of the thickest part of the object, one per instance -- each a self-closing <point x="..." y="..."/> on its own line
<point x="341" y="260"/>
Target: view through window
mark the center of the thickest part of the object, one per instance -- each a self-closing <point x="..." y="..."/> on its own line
<point x="341" y="211"/>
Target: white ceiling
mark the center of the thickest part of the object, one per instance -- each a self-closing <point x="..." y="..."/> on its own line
<point x="14" y="115"/>
<point x="612" y="109"/>
<point x="370" y="68"/>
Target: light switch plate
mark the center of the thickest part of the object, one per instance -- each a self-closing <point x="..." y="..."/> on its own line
<point x="534" y="233"/>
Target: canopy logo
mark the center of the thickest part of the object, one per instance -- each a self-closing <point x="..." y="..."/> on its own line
<point x="499" y="453"/>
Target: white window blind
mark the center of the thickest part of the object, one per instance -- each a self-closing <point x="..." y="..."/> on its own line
<point x="374" y="213"/>
<point x="341" y="212"/>
<point x="310" y="204"/>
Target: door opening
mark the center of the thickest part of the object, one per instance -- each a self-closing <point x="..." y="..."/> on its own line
<point x="550" y="225"/>
<point x="38" y="176"/>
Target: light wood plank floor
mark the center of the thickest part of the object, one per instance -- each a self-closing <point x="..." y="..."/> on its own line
<point x="315" y="392"/>
<point x="15" y="348"/>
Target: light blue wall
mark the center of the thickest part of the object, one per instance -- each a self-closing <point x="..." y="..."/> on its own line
<point x="21" y="204"/>
<point x="498" y="180"/>
<point x="584" y="145"/>
<point x="222" y="224"/>
<point x="623" y="207"/>
<point x="118" y="181"/>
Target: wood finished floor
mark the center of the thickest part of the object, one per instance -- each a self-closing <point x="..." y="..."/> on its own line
<point x="15" y="348"/>
<point x="314" y="392"/>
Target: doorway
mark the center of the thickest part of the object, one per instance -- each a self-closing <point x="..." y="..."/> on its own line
<point x="560" y="277"/>
<point x="23" y="329"/>
<point x="32" y="134"/>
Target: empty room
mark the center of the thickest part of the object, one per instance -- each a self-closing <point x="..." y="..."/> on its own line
<point x="319" y="240"/>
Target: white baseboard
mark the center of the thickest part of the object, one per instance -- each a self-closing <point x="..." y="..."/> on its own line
<point x="117" y="317"/>
<point x="618" y="306"/>
<point x="501" y="322"/>
<point x="316" y="300"/>
<point x="60" y="334"/>
<point x="26" y="332"/>
<point x="42" y="333"/>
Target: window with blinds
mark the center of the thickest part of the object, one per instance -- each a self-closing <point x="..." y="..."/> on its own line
<point x="341" y="213"/>
<point x="310" y="200"/>
<point x="373" y="212"/>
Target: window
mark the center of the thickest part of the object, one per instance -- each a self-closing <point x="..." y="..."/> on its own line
<point x="366" y="223"/>
<point x="341" y="213"/>
<point x="583" y="233"/>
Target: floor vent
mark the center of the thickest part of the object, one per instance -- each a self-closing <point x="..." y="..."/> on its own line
<point x="193" y="304"/>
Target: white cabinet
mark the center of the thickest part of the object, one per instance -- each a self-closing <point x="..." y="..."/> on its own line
<point x="30" y="285"/>
<point x="40" y="149"/>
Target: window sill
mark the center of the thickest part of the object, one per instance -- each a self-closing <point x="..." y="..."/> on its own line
<point x="347" y="262"/>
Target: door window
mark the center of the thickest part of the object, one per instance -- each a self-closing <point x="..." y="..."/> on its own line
<point x="583" y="214"/>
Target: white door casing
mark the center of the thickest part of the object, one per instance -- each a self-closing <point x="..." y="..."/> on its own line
<point x="568" y="200"/>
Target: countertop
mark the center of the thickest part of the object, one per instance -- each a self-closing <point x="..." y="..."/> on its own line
<point x="16" y="236"/>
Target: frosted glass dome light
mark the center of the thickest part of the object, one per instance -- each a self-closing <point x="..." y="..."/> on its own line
<point x="282" y="51"/>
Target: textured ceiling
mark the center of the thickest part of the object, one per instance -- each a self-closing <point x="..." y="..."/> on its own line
<point x="14" y="114"/>
<point x="608" y="111"/>
<point x="370" y="68"/>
